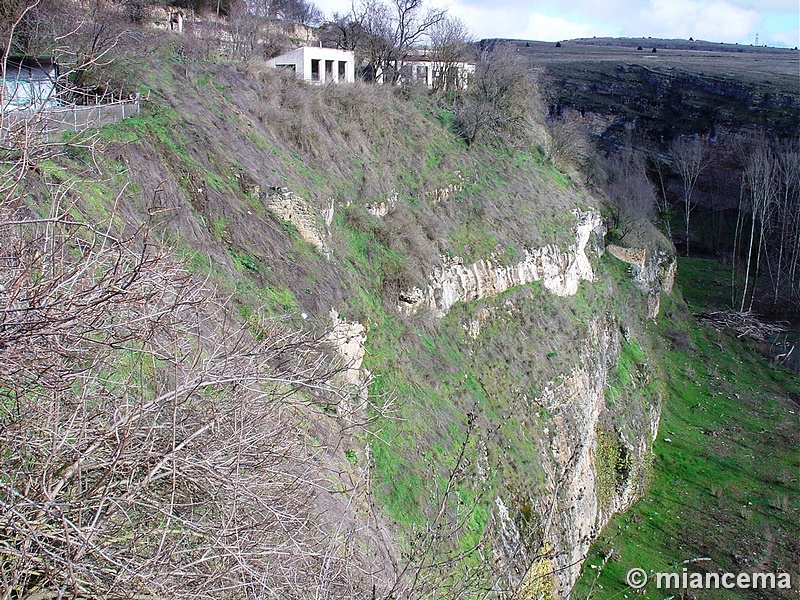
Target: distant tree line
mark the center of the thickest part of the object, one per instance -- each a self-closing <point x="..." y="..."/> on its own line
<point x="758" y="235"/>
<point x="766" y="246"/>
<point x="762" y="239"/>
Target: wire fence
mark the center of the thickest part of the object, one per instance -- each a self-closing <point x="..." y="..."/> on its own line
<point x="47" y="122"/>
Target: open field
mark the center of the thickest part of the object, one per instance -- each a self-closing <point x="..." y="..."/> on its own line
<point x="749" y="64"/>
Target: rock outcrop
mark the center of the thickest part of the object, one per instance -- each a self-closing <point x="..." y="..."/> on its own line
<point x="579" y="407"/>
<point x="653" y="273"/>
<point x="291" y="207"/>
<point x="577" y="509"/>
<point x="561" y="271"/>
<point x="347" y="338"/>
<point x="382" y="209"/>
<point x="448" y="192"/>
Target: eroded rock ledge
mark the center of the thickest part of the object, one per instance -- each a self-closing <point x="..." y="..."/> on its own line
<point x="653" y="272"/>
<point x="291" y="207"/>
<point x="561" y="271"/>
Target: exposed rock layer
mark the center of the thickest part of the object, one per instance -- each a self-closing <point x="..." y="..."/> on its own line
<point x="579" y="411"/>
<point x="653" y="273"/>
<point x="561" y="271"/>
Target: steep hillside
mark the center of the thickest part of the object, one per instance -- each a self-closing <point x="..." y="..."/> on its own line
<point x="482" y="418"/>
<point x="316" y="345"/>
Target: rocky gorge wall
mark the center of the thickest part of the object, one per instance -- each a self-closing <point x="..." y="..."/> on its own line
<point x="580" y="500"/>
<point x="579" y="426"/>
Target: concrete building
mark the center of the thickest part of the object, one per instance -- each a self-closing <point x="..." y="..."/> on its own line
<point x="29" y="83"/>
<point x="317" y="65"/>
<point x="421" y="70"/>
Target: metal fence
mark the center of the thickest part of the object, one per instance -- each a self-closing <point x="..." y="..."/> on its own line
<point x="54" y="121"/>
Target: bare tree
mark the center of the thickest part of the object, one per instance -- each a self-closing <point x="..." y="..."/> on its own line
<point x="501" y="101"/>
<point x="299" y="11"/>
<point x="568" y="142"/>
<point x="690" y="157"/>
<point x="374" y="45"/>
<point x="450" y="44"/>
<point x="659" y="169"/>
<point x="295" y="11"/>
<point x="788" y="219"/>
<point x="767" y="227"/>
<point x="412" y="21"/>
<point x="383" y="34"/>
<point x="245" y="31"/>
<point x="342" y="32"/>
<point x="758" y="193"/>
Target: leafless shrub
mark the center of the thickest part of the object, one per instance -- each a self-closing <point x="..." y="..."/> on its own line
<point x="502" y="102"/>
<point x="147" y="438"/>
<point x="568" y="143"/>
<point x="632" y="194"/>
<point x="680" y="339"/>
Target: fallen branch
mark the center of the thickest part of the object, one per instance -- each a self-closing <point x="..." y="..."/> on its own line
<point x="745" y="324"/>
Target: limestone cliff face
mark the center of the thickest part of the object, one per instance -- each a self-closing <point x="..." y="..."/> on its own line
<point x="561" y="271"/>
<point x="578" y="510"/>
<point x="347" y="339"/>
<point x="578" y="507"/>
<point x="653" y="272"/>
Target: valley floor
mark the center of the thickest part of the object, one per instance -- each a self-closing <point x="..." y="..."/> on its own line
<point x="724" y="494"/>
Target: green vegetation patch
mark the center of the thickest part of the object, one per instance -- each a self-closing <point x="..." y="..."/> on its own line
<point x="725" y="485"/>
<point x="705" y="283"/>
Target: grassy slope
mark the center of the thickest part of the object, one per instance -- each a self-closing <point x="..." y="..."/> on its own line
<point x="727" y="462"/>
<point x="322" y="144"/>
<point x="213" y="138"/>
<point x="315" y="143"/>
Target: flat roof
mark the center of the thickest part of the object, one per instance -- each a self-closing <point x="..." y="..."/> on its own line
<point x="40" y="62"/>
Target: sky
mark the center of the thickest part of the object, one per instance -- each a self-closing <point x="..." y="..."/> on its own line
<point x="775" y="22"/>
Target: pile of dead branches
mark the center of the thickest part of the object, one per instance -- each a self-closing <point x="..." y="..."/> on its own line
<point x="744" y="323"/>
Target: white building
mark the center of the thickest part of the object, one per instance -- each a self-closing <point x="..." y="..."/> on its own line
<point x="29" y="83"/>
<point x="424" y="71"/>
<point x="318" y="65"/>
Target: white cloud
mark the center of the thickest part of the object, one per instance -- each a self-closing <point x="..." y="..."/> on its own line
<point x="716" y="21"/>
<point x="514" y="22"/>
<point x="788" y="39"/>
<point x="551" y="29"/>
<point x="551" y="20"/>
<point x="328" y="7"/>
